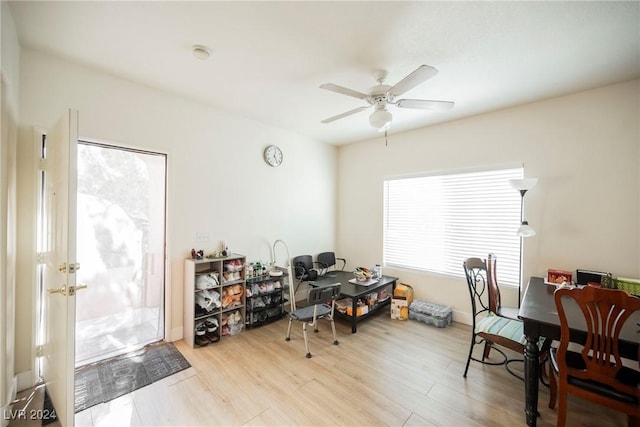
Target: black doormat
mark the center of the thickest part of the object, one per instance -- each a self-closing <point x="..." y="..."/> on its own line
<point x="104" y="381"/>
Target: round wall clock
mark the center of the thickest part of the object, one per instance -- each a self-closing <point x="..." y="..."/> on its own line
<point x="273" y="155"/>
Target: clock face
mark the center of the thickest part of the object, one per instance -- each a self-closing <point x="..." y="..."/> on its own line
<point x="273" y="155"/>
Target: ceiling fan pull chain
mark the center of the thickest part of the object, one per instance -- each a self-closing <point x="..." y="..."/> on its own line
<point x="386" y="142"/>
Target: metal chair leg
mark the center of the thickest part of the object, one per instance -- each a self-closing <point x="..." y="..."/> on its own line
<point x="306" y="343"/>
<point x="333" y="328"/>
<point x="288" y="337"/>
<point x="466" y="368"/>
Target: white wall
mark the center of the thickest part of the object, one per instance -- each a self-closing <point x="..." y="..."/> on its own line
<point x="585" y="150"/>
<point x="218" y="181"/>
<point x="9" y="97"/>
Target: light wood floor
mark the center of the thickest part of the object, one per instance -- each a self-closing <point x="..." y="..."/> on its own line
<point x="396" y="373"/>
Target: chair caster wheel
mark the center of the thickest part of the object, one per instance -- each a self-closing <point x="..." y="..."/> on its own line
<point x="308" y="355"/>
<point x="336" y="342"/>
<point x="287" y="339"/>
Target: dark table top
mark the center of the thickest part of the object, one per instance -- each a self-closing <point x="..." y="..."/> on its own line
<point x="538" y="307"/>
<point x="349" y="289"/>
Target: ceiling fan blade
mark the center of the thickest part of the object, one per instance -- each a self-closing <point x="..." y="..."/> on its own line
<point x="424" y="104"/>
<point x="348" y="113"/>
<point x="418" y="76"/>
<point x="343" y="90"/>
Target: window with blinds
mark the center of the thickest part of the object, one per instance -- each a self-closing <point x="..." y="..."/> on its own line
<point x="433" y="223"/>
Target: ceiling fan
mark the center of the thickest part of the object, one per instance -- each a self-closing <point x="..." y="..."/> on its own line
<point x="382" y="95"/>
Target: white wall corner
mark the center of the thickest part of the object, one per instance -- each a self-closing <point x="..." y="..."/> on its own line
<point x="24" y="380"/>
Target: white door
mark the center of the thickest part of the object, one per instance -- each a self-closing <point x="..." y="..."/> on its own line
<point x="60" y="265"/>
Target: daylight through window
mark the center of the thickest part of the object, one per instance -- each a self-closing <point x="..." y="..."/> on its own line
<point x="434" y="222"/>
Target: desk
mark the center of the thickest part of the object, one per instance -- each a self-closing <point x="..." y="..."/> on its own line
<point x="355" y="291"/>
<point x="540" y="317"/>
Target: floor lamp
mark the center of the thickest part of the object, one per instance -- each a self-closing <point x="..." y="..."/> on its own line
<point x="524" y="230"/>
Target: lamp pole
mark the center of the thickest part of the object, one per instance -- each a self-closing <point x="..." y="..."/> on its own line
<point x="520" y="272"/>
<point x="523" y="185"/>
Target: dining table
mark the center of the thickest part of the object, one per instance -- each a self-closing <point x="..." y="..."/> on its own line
<point x="540" y="319"/>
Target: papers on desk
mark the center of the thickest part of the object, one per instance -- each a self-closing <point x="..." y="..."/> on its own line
<point x="366" y="283"/>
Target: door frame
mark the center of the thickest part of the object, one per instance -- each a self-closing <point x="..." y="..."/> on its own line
<point x="168" y="336"/>
<point x="31" y="378"/>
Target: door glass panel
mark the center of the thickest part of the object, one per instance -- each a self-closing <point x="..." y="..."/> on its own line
<point x="120" y="244"/>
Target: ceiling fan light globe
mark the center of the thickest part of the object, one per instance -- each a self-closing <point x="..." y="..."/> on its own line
<point x="380" y="119"/>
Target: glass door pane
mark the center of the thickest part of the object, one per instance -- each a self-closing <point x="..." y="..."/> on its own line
<point x="121" y="241"/>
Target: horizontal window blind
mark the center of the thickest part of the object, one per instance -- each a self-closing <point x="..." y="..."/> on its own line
<point x="435" y="222"/>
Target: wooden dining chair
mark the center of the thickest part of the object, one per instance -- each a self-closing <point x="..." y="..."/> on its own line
<point x="492" y="324"/>
<point x="594" y="370"/>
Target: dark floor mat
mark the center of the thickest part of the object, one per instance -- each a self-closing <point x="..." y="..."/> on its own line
<point x="106" y="380"/>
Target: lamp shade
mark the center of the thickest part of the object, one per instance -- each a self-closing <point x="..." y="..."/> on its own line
<point x="524" y="183"/>
<point x="380" y="119"/>
<point x="525" y="230"/>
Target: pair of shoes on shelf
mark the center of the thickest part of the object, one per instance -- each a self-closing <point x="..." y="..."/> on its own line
<point x="201" y="330"/>
<point x="206" y="331"/>
<point x="201" y="334"/>
<point x="211" y="324"/>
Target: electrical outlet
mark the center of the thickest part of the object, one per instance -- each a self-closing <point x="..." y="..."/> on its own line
<point x="203" y="236"/>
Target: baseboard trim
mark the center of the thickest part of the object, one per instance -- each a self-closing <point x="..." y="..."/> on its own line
<point x="176" y="334"/>
<point x="462" y="317"/>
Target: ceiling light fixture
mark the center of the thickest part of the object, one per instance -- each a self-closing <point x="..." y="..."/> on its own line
<point x="380" y="119"/>
<point x="201" y="52"/>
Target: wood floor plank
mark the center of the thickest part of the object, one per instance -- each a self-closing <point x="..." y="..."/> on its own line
<point x="391" y="373"/>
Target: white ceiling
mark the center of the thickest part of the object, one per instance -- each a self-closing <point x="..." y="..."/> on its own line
<point x="269" y="57"/>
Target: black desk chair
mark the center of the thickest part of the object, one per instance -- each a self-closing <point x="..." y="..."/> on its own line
<point x="321" y="304"/>
<point x="593" y="370"/>
<point x="303" y="268"/>
<point x="326" y="260"/>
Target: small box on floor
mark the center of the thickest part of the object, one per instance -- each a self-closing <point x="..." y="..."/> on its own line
<point x="399" y="309"/>
<point x="402" y="298"/>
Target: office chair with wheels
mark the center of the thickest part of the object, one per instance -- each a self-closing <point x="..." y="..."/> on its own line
<point x="326" y="260"/>
<point x="489" y="326"/>
<point x="594" y="370"/>
<point x="320" y="305"/>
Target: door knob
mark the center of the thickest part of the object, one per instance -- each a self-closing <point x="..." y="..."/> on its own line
<point x="62" y="290"/>
<point x="71" y="290"/>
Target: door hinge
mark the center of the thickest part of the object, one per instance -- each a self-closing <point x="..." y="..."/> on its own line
<point x="41" y="258"/>
<point x="39" y="350"/>
<point x="42" y="164"/>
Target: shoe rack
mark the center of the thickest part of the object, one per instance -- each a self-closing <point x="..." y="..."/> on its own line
<point x="265" y="302"/>
<point x="215" y="299"/>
